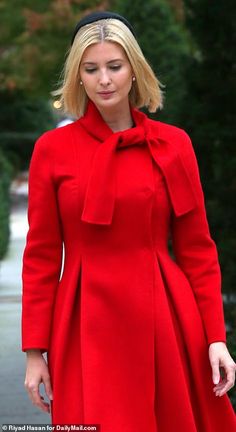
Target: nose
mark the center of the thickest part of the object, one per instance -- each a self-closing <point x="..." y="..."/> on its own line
<point x="104" y="78"/>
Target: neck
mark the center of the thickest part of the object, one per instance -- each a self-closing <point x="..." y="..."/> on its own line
<point x="117" y="119"/>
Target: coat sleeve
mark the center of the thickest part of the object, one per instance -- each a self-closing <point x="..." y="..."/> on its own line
<point x="42" y="258"/>
<point x="196" y="253"/>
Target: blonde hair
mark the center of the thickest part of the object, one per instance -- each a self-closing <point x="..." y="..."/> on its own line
<point x="146" y="89"/>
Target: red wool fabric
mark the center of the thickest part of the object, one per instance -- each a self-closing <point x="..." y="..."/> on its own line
<point x="127" y="325"/>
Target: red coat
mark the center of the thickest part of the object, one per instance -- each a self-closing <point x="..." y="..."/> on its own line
<point x="127" y="326"/>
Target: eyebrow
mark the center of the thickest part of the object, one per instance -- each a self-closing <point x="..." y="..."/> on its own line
<point x="110" y="61"/>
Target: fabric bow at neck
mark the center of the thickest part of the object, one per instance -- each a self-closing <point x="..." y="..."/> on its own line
<point x="101" y="189"/>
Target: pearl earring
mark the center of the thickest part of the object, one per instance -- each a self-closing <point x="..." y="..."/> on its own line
<point x="81" y="82"/>
<point x="133" y="78"/>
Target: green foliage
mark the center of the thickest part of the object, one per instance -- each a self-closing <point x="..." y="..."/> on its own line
<point x="34" y="39"/>
<point x="5" y="177"/>
<point x="22" y="120"/>
<point x="165" y="45"/>
<point x="209" y="117"/>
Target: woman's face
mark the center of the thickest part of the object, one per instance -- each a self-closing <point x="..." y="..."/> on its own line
<point x="106" y="75"/>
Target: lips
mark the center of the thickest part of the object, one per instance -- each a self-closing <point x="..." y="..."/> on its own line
<point x="105" y="92"/>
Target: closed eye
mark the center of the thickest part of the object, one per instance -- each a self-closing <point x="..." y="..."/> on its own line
<point x="115" y="67"/>
<point x="111" y="67"/>
<point x="90" y="70"/>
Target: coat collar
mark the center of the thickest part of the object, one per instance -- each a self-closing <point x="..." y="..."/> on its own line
<point x="94" y="123"/>
<point x="100" y="194"/>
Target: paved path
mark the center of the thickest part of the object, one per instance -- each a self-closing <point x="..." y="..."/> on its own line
<point x="15" y="406"/>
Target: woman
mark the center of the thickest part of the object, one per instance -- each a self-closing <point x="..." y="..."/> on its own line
<point x="134" y="338"/>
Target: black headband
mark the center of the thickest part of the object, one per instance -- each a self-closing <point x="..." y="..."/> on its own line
<point x="96" y="16"/>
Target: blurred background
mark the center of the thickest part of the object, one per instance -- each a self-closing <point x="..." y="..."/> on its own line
<point x="191" y="46"/>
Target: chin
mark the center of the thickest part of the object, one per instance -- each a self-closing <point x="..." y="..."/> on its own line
<point x="111" y="104"/>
